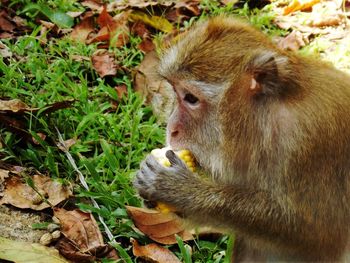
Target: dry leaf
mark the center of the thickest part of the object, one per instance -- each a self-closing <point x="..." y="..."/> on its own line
<point x="113" y="29"/>
<point x="158" y="226"/>
<point x="122" y="90"/>
<point x="146" y="45"/>
<point x="80" y="58"/>
<point x="19" y="194"/>
<point x="41" y="135"/>
<point x="83" y="239"/>
<point x="327" y="20"/>
<point x="156" y="22"/>
<point x="14" y="105"/>
<point x="157" y="91"/>
<point x="294" y="41"/>
<point x="81" y="31"/>
<point x="139" y="28"/>
<point x="141" y="4"/>
<point x="5" y="22"/>
<point x="93" y="5"/>
<point x="299" y="5"/>
<point x="229" y="2"/>
<point x="5" y="52"/>
<point x="104" y="63"/>
<point x="153" y="252"/>
<point x="74" y="14"/>
<point x="25" y="252"/>
<point x="67" y="144"/>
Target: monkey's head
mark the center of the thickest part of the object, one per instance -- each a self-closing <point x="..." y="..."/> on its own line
<point x="223" y="72"/>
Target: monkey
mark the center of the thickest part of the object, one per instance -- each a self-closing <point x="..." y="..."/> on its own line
<point x="271" y="128"/>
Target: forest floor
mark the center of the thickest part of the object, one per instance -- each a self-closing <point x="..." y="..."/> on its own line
<point x="80" y="107"/>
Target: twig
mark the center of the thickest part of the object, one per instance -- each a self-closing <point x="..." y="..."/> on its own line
<point x="84" y="184"/>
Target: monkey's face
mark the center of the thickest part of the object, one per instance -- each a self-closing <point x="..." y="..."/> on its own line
<point x="193" y="123"/>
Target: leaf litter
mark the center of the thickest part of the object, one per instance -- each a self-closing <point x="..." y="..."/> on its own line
<point x="305" y="21"/>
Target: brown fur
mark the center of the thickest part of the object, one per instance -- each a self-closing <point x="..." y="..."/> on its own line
<point x="279" y="154"/>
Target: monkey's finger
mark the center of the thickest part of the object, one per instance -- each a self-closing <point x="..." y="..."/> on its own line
<point x="153" y="164"/>
<point x="174" y="159"/>
<point x="141" y="185"/>
<point x="147" y="170"/>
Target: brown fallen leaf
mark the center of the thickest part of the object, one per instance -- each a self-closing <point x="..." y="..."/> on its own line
<point x="104" y="63"/>
<point x="83" y="239"/>
<point x="299" y="5"/>
<point x="67" y="144"/>
<point x="14" y="105"/>
<point x="12" y="115"/>
<point x="74" y="14"/>
<point x="41" y="135"/>
<point x="82" y="31"/>
<point x="6" y="23"/>
<point x="139" y="28"/>
<point x="5" y="52"/>
<point x="113" y="29"/>
<point x="157" y="91"/>
<point x="158" y="226"/>
<point x="140" y="4"/>
<point x="19" y="194"/>
<point x="294" y="41"/>
<point x="95" y="6"/>
<point x="229" y="2"/>
<point x="146" y="45"/>
<point x="153" y="252"/>
<point x="324" y="20"/>
<point x="122" y="90"/>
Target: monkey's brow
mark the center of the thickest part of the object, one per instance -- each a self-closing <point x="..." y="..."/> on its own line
<point x="210" y="90"/>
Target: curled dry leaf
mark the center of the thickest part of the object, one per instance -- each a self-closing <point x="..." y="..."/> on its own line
<point x="104" y="63"/>
<point x="82" y="31"/>
<point x="83" y="239"/>
<point x="153" y="252"/>
<point x="19" y="194"/>
<point x="158" y="226"/>
<point x="113" y="29"/>
<point x="14" y="105"/>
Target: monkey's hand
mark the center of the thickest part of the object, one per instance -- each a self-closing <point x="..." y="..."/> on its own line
<point x="172" y="185"/>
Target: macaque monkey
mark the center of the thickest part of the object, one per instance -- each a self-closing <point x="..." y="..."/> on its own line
<point x="272" y="130"/>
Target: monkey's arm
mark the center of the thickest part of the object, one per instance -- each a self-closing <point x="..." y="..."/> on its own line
<point x="251" y="211"/>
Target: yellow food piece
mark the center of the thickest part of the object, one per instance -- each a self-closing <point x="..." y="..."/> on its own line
<point x="184" y="155"/>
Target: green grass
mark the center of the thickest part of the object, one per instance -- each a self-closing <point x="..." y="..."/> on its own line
<point x="112" y="135"/>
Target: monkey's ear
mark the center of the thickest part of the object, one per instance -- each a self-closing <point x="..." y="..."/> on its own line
<point x="267" y="69"/>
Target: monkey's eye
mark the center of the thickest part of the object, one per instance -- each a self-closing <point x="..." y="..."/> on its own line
<point x="190" y="98"/>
